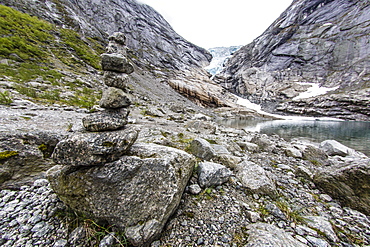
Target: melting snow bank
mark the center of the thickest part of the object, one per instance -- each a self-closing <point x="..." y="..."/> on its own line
<point x="246" y="103"/>
<point x="314" y="90"/>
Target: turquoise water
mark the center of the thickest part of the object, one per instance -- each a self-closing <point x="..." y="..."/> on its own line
<point x="353" y="134"/>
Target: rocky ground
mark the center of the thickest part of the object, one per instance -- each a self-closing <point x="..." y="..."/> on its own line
<point x="280" y="205"/>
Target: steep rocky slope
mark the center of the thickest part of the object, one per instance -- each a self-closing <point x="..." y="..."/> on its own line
<point x="153" y="45"/>
<point x="314" y="41"/>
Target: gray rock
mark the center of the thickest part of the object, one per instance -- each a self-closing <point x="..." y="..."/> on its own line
<point x="212" y="174"/>
<point x="77" y="237"/>
<point x="116" y="62"/>
<point x="261" y="234"/>
<point x="115" y="79"/>
<point x="93" y="149"/>
<point x="255" y="178"/>
<point x="106" y="120"/>
<point x="136" y="193"/>
<point x="25" y="157"/>
<point x="349" y="182"/>
<point x="60" y="243"/>
<point x="323" y="225"/>
<point x="316" y="155"/>
<point x="194" y="189"/>
<point x="253" y="216"/>
<point x="108" y="241"/>
<point x="115" y="98"/>
<point x="332" y="147"/>
<point x="293" y="152"/>
<point x="248" y="146"/>
<point x="317" y="242"/>
<point x="202" y="149"/>
<point x="304" y="172"/>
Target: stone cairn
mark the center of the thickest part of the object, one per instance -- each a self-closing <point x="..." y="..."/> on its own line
<point x="114" y="100"/>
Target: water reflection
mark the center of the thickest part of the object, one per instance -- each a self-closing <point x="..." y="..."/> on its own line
<point x="350" y="133"/>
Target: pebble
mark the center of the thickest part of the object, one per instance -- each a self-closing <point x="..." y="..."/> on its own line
<point x="24" y="220"/>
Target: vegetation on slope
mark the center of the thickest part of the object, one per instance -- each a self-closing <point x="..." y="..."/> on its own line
<point x="33" y="49"/>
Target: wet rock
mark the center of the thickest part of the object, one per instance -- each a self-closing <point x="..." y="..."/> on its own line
<point x="212" y="174"/>
<point x="93" y="149"/>
<point x="261" y="234"/>
<point x="255" y="178"/>
<point x="106" y="120"/>
<point x="114" y="98"/>
<point x="349" y="182"/>
<point x="136" y="193"/>
<point x="116" y="62"/>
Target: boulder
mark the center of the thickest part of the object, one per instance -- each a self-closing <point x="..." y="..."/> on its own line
<point x="137" y="193"/>
<point x="109" y="119"/>
<point x="349" y="182"/>
<point x="115" y="79"/>
<point x="262" y="234"/>
<point x="332" y="148"/>
<point x="25" y="157"/>
<point x="256" y="179"/>
<point x="315" y="155"/>
<point x="202" y="149"/>
<point x="114" y="98"/>
<point x="212" y="174"/>
<point x="116" y="62"/>
<point x="93" y="149"/>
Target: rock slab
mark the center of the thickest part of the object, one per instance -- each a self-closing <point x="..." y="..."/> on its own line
<point x="93" y="149"/>
<point x="137" y="193"/>
<point x="349" y="182"/>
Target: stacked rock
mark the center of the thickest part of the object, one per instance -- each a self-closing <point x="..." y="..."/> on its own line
<point x="114" y="100"/>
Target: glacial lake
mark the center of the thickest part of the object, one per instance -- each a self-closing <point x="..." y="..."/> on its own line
<point x="353" y="134"/>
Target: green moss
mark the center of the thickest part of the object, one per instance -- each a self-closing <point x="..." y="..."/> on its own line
<point x="109" y="144"/>
<point x="7" y="154"/>
<point x="5" y="98"/>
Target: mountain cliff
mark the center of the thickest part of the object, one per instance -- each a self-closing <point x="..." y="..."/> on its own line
<point x="314" y="41"/>
<point x="153" y="46"/>
<point x="149" y="36"/>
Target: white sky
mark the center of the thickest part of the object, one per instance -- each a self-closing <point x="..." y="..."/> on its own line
<point x="213" y="23"/>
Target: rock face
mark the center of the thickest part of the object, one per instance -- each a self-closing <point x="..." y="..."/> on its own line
<point x="313" y="41"/>
<point x="137" y="193"/>
<point x="347" y="182"/>
<point x="149" y="37"/>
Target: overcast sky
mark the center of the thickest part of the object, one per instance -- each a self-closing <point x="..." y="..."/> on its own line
<point x="213" y="23"/>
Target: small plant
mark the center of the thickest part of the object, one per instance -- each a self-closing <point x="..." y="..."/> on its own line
<point x="5" y="98"/>
<point x="69" y="127"/>
<point x="292" y="215"/>
<point x="94" y="231"/>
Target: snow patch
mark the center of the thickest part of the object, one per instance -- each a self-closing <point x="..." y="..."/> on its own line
<point x="314" y="90"/>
